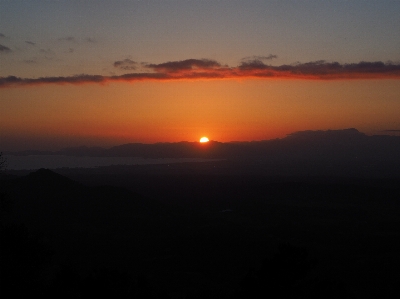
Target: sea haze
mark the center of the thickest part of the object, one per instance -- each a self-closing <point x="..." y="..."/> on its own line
<point x="61" y="161"/>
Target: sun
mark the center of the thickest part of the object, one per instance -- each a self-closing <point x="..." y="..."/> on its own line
<point x="203" y="140"/>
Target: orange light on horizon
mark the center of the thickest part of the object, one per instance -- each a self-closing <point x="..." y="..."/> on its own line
<point x="203" y="140"/>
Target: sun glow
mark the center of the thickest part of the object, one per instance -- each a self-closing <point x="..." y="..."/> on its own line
<point x="204" y="139"/>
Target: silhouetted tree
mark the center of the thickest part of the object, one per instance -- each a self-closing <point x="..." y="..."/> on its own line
<point x="286" y="275"/>
<point x="279" y="276"/>
<point x="23" y="259"/>
<point x="107" y="283"/>
<point x="3" y="162"/>
<point x="101" y="283"/>
<point x="4" y="202"/>
<point x="66" y="283"/>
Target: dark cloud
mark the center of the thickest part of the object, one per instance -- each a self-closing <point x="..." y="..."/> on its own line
<point x="194" y="69"/>
<point x="68" y="39"/>
<point x="12" y="80"/>
<point x="126" y="64"/>
<point x="30" y="43"/>
<point x="323" y="70"/>
<point x="5" y="49"/>
<point x="79" y="79"/>
<point x="188" y="64"/>
<point x="2" y="35"/>
<point x="255" y="57"/>
<point x="30" y="61"/>
<point x="70" y="50"/>
<point x="269" y="57"/>
<point x="46" y="51"/>
<point x="255" y="64"/>
<point x="74" y="40"/>
<point x="391" y="131"/>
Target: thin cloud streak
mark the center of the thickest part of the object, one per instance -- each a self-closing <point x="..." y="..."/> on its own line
<point x="126" y="64"/>
<point x="4" y="49"/>
<point x="68" y="39"/>
<point x="255" y="57"/>
<point x="90" y="40"/>
<point x="200" y="69"/>
<point x="185" y="65"/>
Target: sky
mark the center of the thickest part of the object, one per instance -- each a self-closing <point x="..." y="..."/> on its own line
<point x="103" y="73"/>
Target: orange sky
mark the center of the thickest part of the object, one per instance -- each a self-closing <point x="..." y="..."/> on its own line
<point x="54" y="116"/>
<point x="76" y="73"/>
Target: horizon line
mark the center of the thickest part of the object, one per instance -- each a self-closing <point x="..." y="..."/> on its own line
<point x="393" y="132"/>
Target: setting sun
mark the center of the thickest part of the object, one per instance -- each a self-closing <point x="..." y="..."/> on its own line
<point x="204" y="139"/>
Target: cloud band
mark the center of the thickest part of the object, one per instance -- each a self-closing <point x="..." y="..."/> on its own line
<point x="197" y="69"/>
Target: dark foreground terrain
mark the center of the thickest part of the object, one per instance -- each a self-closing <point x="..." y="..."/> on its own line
<point x="198" y="230"/>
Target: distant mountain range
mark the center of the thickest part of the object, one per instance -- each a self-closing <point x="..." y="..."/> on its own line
<point x="347" y="144"/>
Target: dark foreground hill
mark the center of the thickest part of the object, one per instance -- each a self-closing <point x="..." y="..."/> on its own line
<point x="199" y="236"/>
<point x="52" y="224"/>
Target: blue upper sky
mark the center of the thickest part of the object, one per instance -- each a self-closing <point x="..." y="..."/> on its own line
<point x="50" y="38"/>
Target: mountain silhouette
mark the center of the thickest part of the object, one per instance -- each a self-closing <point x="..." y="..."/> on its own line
<point x="347" y="152"/>
<point x="347" y="144"/>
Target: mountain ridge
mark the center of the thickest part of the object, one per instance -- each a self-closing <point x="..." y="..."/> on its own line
<point x="347" y="144"/>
